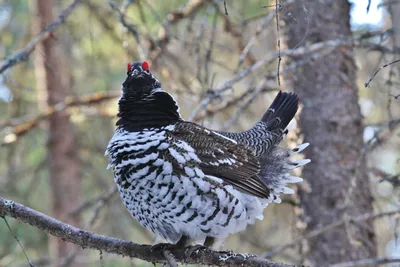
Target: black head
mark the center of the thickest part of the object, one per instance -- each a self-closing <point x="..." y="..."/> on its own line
<point x="140" y="80"/>
<point x="144" y="103"/>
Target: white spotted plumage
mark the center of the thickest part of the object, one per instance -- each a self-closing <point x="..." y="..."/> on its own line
<point x="183" y="181"/>
<point x="164" y="214"/>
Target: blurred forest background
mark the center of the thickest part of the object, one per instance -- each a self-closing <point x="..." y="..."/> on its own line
<point x="58" y="105"/>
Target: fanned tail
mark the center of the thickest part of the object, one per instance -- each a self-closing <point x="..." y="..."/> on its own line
<point x="276" y="163"/>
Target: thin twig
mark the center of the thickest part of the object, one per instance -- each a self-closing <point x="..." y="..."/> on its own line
<point x="203" y="104"/>
<point x="199" y="39"/>
<point x="376" y="72"/>
<point x="190" y="9"/>
<point x="132" y="28"/>
<point x="300" y="51"/>
<point x="243" y="107"/>
<point x="339" y="223"/>
<point x="381" y="135"/>
<point x="19" y="243"/>
<point x="197" y="114"/>
<point x="366" y="262"/>
<point x="100" y="205"/>
<point x="225" y="8"/>
<point x="103" y="198"/>
<point x="22" y="126"/>
<point x="279" y="40"/>
<point x="254" y="38"/>
<point x="210" y="48"/>
<point x="101" y="258"/>
<point x="23" y="54"/>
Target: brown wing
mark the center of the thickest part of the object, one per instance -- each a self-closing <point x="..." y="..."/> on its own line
<point x="222" y="157"/>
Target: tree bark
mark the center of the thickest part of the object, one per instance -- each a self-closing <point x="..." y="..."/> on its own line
<point x="394" y="12"/>
<point x="332" y="123"/>
<point x="54" y="85"/>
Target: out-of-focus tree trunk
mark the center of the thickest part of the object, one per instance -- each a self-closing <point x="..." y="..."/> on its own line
<point x="332" y="122"/>
<point x="394" y="12"/>
<point x="54" y="84"/>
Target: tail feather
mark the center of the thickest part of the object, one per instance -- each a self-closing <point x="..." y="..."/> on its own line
<point x="276" y="169"/>
<point x="264" y="138"/>
<point x="276" y="165"/>
<point x="281" y="111"/>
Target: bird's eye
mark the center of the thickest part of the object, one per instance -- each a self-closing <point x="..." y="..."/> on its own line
<point x="145" y="65"/>
<point x="129" y="67"/>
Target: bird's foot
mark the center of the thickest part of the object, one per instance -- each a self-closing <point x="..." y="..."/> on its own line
<point x="194" y="249"/>
<point x="161" y="247"/>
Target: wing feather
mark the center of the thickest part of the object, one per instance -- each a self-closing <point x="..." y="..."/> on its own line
<point x="222" y="157"/>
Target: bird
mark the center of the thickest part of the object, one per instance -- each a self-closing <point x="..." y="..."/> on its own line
<point x="189" y="184"/>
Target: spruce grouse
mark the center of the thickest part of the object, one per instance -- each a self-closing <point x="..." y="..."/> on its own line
<point x="189" y="184"/>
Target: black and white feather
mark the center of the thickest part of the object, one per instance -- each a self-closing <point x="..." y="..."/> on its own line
<point x="183" y="181"/>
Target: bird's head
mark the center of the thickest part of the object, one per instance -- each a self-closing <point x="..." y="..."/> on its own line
<point x="143" y="102"/>
<point x="140" y="81"/>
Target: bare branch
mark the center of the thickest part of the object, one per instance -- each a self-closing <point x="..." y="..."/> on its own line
<point x="339" y="223"/>
<point x="279" y="39"/>
<point x="197" y="115"/>
<point x="225" y="8"/>
<point x="381" y="135"/>
<point x="132" y="28"/>
<point x="189" y="10"/>
<point x="255" y="92"/>
<point x="237" y="33"/>
<point x="378" y="70"/>
<point x="210" y="47"/>
<point x="23" y="54"/>
<point x="103" y="198"/>
<point x="19" y="243"/>
<point x="301" y="51"/>
<point x="22" y="126"/>
<point x="126" y="248"/>
<point x="367" y="262"/>
<point x="262" y="26"/>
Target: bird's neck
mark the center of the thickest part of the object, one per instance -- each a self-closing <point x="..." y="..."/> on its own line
<point x="156" y="110"/>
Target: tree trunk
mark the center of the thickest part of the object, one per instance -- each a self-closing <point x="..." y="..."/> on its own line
<point x="55" y="85"/>
<point x="394" y="12"/>
<point x="332" y="123"/>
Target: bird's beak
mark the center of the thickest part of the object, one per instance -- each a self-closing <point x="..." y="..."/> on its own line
<point x="134" y="73"/>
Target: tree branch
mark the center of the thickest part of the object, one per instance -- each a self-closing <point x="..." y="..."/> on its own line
<point x="24" y="53"/>
<point x="339" y="223"/>
<point x="22" y="125"/>
<point x="378" y="70"/>
<point x="367" y="262"/>
<point x="126" y="248"/>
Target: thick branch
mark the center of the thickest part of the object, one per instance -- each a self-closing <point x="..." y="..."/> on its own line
<point x="24" y="53"/>
<point x="125" y="248"/>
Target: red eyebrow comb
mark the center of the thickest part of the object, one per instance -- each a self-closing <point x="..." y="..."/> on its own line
<point x="129" y="67"/>
<point x="145" y="65"/>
